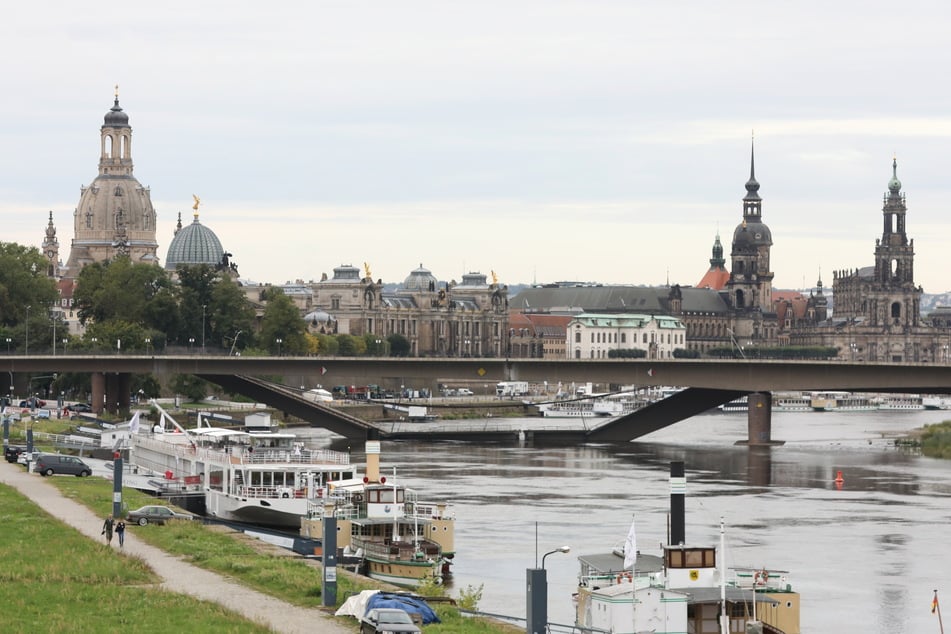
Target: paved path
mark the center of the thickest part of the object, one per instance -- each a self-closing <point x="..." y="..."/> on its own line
<point x="176" y="574"/>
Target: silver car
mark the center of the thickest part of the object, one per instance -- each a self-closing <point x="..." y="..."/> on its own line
<point x="154" y="514"/>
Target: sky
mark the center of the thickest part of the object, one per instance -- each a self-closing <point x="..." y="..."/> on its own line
<point x="594" y="141"/>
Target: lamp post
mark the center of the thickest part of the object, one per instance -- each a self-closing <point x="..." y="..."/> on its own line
<point x="537" y="592"/>
<point x="9" y="341"/>
<point x="278" y="341"/>
<point x="191" y="340"/>
<point x="27" y="352"/>
<point x="65" y="344"/>
<point x="148" y="346"/>
<point x="95" y="344"/>
<point x="203" y="307"/>
<point x="234" y="342"/>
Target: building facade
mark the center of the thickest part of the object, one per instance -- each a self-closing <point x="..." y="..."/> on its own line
<point x="115" y="214"/>
<point x="594" y="336"/>
<point x="876" y="315"/>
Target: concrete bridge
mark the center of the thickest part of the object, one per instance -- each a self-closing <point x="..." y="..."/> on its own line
<point x="710" y="382"/>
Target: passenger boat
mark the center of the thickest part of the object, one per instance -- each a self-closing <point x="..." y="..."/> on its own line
<point x="683" y="589"/>
<point x="902" y="402"/>
<point x="250" y="475"/>
<point x="597" y="405"/>
<point x="782" y="402"/>
<point x="401" y="539"/>
<point x="936" y="402"/>
<point x="842" y="402"/>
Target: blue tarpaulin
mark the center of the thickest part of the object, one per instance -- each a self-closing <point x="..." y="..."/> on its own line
<point x="412" y="605"/>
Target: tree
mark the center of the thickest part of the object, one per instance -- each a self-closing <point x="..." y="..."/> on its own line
<point x="282" y="327"/>
<point x="120" y="290"/>
<point x="23" y="284"/>
<point x="399" y="345"/>
<point x="189" y="385"/>
<point x="231" y="313"/>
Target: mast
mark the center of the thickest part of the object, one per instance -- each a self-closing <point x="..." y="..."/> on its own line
<point x="724" y="623"/>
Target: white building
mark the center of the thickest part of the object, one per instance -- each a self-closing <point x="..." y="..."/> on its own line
<point x="593" y="336"/>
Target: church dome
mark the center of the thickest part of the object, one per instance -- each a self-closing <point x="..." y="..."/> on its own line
<point x="116" y="117"/>
<point x="194" y="244"/>
<point x="420" y="279"/>
<point x="752" y="235"/>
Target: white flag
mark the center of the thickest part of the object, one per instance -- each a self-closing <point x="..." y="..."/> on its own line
<point x="134" y="423"/>
<point x="630" y="548"/>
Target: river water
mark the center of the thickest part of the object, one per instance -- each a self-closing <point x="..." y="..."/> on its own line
<point x="865" y="557"/>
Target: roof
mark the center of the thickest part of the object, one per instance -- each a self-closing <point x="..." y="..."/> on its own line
<point x="612" y="299"/>
<point x="716" y="278"/>
<point x="611" y="563"/>
<point x="194" y="244"/>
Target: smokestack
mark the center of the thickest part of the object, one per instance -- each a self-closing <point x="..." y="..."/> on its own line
<point x="373" y="461"/>
<point x="678" y="490"/>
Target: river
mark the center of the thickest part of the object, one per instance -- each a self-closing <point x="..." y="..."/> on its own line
<point x="865" y="557"/>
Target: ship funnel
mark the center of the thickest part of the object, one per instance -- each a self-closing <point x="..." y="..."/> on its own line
<point x="678" y="491"/>
<point x="373" y="461"/>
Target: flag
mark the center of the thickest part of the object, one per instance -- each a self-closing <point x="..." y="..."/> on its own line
<point x="630" y="548"/>
<point x="650" y="372"/>
<point x="134" y="423"/>
<point x="323" y="370"/>
<point x="934" y="603"/>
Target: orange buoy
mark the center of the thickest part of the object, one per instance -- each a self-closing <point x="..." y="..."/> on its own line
<point x="838" y="477"/>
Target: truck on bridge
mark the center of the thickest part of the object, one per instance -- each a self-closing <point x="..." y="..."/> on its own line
<point x="511" y="388"/>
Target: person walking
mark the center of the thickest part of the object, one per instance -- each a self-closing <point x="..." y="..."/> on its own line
<point x="107" y="529"/>
<point x="120" y="532"/>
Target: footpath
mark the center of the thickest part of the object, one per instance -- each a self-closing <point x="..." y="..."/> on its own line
<point x="176" y="574"/>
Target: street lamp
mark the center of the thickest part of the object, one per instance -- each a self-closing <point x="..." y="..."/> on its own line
<point x="9" y="341"/>
<point x="234" y="342"/>
<point x="65" y="343"/>
<point x="148" y="345"/>
<point x="537" y="595"/>
<point x="560" y="549"/>
<point x="203" y="307"/>
<point x="27" y="352"/>
<point x="191" y="340"/>
<point x="279" y="341"/>
<point x="95" y="342"/>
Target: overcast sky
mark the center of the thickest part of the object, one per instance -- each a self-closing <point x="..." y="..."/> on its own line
<point x="549" y="140"/>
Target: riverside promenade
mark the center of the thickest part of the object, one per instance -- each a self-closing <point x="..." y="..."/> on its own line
<point x="176" y="574"/>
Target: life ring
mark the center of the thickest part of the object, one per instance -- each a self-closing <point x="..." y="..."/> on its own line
<point x="761" y="577"/>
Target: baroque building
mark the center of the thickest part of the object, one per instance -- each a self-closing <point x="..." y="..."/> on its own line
<point x="446" y="319"/>
<point x="876" y="313"/>
<point x="115" y="214"/>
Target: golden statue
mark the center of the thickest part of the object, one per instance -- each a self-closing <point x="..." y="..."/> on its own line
<point x="197" y="202"/>
<point x="366" y="270"/>
<point x="495" y="278"/>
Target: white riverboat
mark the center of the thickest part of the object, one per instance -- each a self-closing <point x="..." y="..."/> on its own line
<point x="832" y="401"/>
<point x="257" y="476"/>
<point x="683" y="589"/>
<point x="901" y="402"/>
<point x="936" y="401"/>
<point x="595" y="405"/>
<point x="401" y="539"/>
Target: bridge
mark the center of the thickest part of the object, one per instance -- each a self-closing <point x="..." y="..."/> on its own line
<point x="710" y="382"/>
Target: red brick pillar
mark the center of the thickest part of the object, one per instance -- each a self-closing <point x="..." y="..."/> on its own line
<point x="760" y="419"/>
<point x="98" y="391"/>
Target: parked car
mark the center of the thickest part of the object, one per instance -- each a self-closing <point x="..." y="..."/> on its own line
<point x="33" y="403"/>
<point x="464" y="391"/>
<point x="12" y="452"/>
<point x="48" y="464"/>
<point x="77" y="408"/>
<point x="387" y="620"/>
<point x="155" y="515"/>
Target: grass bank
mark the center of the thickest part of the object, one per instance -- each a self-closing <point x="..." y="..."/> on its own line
<point x="293" y="579"/>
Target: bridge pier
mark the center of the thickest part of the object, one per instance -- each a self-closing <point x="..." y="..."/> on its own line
<point x="759" y="420"/>
<point x="111" y="392"/>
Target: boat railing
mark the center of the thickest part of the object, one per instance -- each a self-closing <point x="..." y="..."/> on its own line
<point x="429" y="510"/>
<point x="396" y="551"/>
<point x="272" y="492"/>
<point x="239" y="454"/>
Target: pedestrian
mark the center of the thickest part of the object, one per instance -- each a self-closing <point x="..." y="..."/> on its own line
<point x="120" y="532"/>
<point x="107" y="529"/>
